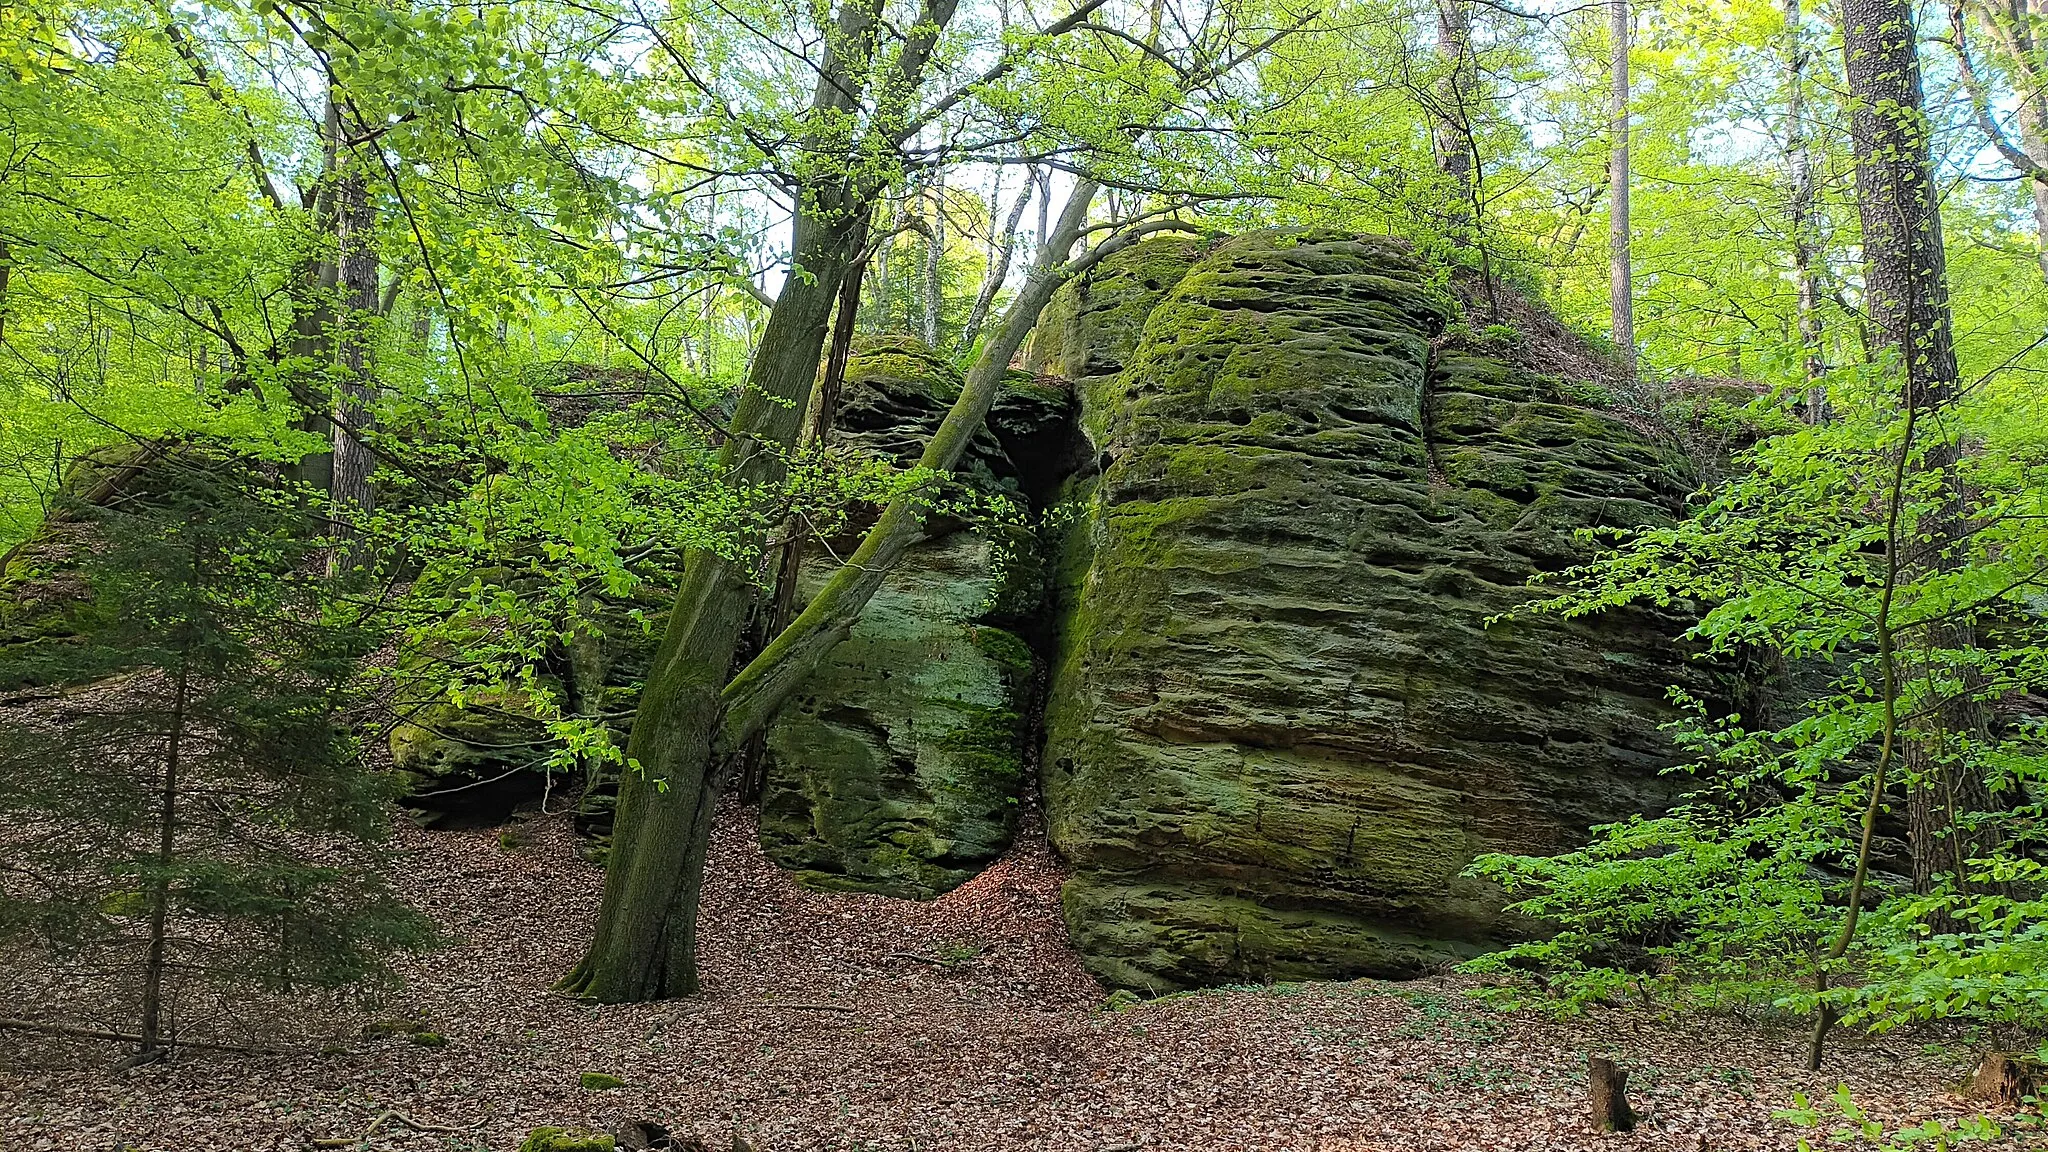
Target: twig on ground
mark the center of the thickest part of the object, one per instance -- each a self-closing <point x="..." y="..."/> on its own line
<point x="128" y="1038"/>
<point x="392" y="1114"/>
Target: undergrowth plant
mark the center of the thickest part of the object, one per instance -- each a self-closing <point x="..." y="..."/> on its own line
<point x="1862" y="840"/>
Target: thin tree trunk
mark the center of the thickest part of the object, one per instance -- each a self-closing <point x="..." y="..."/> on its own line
<point x="1621" y="289"/>
<point x="1805" y="248"/>
<point x="934" y="266"/>
<point x="167" y="837"/>
<point x="2014" y="26"/>
<point x="1451" y="126"/>
<point x="999" y="258"/>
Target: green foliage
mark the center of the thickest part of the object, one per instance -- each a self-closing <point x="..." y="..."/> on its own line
<point x="196" y="804"/>
<point x="600" y="1081"/>
<point x="1737" y="893"/>
<point x="1856" y="1129"/>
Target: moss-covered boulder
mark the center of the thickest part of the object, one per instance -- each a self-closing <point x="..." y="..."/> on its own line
<point x="899" y="766"/>
<point x="898" y="769"/>
<point x="553" y="1139"/>
<point x="43" y="596"/>
<point x="1279" y="723"/>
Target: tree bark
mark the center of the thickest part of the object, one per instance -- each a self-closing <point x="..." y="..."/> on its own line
<point x="352" y="499"/>
<point x="1621" y="289"/>
<point x="934" y="266"/>
<point x="1607" y="1096"/>
<point x="312" y="335"/>
<point x="1451" y="126"/>
<point x="1805" y="246"/>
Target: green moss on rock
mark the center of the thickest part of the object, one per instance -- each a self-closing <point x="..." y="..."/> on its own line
<point x="567" y="1140"/>
<point x="1279" y="726"/>
<point x="898" y="769"/>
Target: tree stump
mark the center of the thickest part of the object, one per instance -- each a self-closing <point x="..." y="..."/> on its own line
<point x="2007" y="1080"/>
<point x="1607" y="1092"/>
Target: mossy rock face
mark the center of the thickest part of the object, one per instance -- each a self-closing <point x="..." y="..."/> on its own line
<point x="1279" y="726"/>
<point x="1092" y="326"/>
<point x="897" y="769"/>
<point x="896" y="392"/>
<point x="473" y="765"/>
<point x="44" y="600"/>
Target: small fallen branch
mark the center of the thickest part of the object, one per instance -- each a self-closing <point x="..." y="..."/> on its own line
<point x="390" y="1115"/>
<point x="129" y="1038"/>
<point x="810" y="1005"/>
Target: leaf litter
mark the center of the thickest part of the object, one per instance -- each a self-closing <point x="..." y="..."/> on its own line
<point x="848" y="1022"/>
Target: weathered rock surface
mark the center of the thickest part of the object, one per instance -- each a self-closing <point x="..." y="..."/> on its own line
<point x="1279" y="724"/>
<point x="898" y="769"/>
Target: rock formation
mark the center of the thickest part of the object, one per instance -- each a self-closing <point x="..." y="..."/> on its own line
<point x="1279" y="724"/>
<point x="899" y="769"/>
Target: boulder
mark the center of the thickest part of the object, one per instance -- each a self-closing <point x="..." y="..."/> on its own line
<point x="1280" y="723"/>
<point x="898" y="768"/>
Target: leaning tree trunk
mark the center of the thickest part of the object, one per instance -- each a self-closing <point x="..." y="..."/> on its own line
<point x="1621" y="288"/>
<point x="759" y="689"/>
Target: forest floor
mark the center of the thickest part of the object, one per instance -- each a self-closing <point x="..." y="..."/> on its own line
<point x="855" y="1022"/>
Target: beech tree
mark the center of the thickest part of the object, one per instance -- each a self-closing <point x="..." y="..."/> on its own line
<point x="866" y="106"/>
<point x="1621" y="272"/>
<point x="692" y="719"/>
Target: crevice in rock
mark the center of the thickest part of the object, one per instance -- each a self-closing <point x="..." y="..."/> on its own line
<point x="1427" y="408"/>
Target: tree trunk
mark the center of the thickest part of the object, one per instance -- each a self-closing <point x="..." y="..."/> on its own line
<point x="1805" y="247"/>
<point x="312" y="339"/>
<point x="1607" y="1096"/>
<point x="934" y="266"/>
<point x="998" y="269"/>
<point x="1451" y="126"/>
<point x="1621" y="289"/>
<point x="352" y="499"/>
<point x="644" y="946"/>
<point x="1906" y="279"/>
<point x="759" y="689"/>
<point x="789" y="569"/>
<point x="151" y="1031"/>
